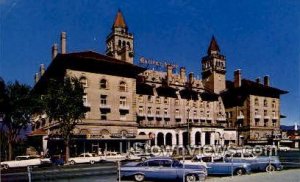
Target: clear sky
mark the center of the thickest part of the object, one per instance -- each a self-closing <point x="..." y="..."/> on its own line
<point x="261" y="37"/>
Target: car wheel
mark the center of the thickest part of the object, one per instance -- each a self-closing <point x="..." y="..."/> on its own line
<point x="92" y="162"/>
<point x="5" y="166"/>
<point x="190" y="178"/>
<point x="139" y="177"/>
<point x="240" y="172"/>
<point x="72" y="162"/>
<point x="270" y="168"/>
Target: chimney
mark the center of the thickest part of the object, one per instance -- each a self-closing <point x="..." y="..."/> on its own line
<point x="257" y="80"/>
<point x="54" y="51"/>
<point x="36" y="77"/>
<point x="267" y="80"/>
<point x="191" y="78"/>
<point x="182" y="74"/>
<point x="237" y="78"/>
<point x="169" y="73"/>
<point x="42" y="69"/>
<point x="63" y="39"/>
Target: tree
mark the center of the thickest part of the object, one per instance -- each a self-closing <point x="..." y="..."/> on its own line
<point x="16" y="106"/>
<point x="64" y="104"/>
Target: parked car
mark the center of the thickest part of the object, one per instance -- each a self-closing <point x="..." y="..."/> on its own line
<point x="113" y="156"/>
<point x="85" y="158"/>
<point x="138" y="156"/>
<point x="258" y="163"/>
<point x="163" y="168"/>
<point x="216" y="165"/>
<point x="24" y="161"/>
<point x="284" y="148"/>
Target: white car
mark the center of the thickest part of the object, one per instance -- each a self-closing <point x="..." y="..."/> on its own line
<point x="24" y="161"/>
<point x="113" y="156"/>
<point x="85" y="158"/>
<point x="284" y="148"/>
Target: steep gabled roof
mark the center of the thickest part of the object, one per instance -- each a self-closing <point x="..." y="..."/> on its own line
<point x="213" y="46"/>
<point x="119" y="21"/>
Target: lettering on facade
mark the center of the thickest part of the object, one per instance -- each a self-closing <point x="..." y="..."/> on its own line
<point x="157" y="65"/>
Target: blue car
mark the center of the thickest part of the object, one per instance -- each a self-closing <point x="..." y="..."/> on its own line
<point x="163" y="169"/>
<point x="216" y="165"/>
<point x="258" y="163"/>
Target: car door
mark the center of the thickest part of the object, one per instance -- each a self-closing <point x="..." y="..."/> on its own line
<point x="220" y="166"/>
<point x="152" y="170"/>
<point x="166" y="170"/>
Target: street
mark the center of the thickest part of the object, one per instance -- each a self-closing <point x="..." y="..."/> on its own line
<point x="292" y="175"/>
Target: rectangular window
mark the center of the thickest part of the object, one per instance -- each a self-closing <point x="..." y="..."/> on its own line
<point x="166" y="111"/>
<point x="256" y="112"/>
<point x="157" y="112"/>
<point x="265" y="113"/>
<point x="177" y="113"/>
<point x="166" y="100"/>
<point x="84" y="98"/>
<point x="141" y="110"/>
<point x="103" y="116"/>
<point x="256" y="122"/>
<point x="149" y="112"/>
<point x="177" y="103"/>
<point x="141" y="98"/>
<point x="149" y="98"/>
<point x="157" y="100"/>
<point x="122" y="101"/>
<point x="103" y="99"/>
<point x="266" y="122"/>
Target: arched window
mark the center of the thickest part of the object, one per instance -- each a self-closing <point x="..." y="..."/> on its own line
<point x="128" y="44"/>
<point x="103" y="84"/>
<point x="83" y="81"/>
<point x="119" y="43"/>
<point x="124" y="43"/>
<point x="273" y="104"/>
<point x="123" y="87"/>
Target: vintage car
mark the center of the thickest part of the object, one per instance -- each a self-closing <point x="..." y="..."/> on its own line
<point x="85" y="158"/>
<point x="162" y="168"/>
<point x="216" y="165"/>
<point x="113" y="156"/>
<point x="284" y="148"/>
<point x="258" y="163"/>
<point x="24" y="161"/>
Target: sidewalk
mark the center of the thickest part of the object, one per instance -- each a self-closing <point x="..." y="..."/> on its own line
<point x="292" y="175"/>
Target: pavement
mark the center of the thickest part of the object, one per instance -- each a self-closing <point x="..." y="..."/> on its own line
<point x="292" y="175"/>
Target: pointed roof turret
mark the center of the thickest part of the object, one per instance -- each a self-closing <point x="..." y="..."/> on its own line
<point x="119" y="21"/>
<point x="213" y="46"/>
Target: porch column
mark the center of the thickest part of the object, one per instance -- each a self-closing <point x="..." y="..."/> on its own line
<point x="192" y="138"/>
<point x="180" y="142"/>
<point x="203" y="139"/>
<point x="212" y="138"/>
<point x="173" y="139"/>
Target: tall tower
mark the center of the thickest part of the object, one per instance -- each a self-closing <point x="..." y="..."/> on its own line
<point x="119" y="43"/>
<point x="213" y="68"/>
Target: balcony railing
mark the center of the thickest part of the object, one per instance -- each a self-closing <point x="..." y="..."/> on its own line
<point x="240" y="117"/>
<point x="104" y="106"/>
<point x="124" y="107"/>
<point x="257" y="116"/>
<point x="86" y="104"/>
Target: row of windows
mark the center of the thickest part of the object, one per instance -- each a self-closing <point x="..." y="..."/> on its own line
<point x="141" y="110"/>
<point x="103" y="84"/>
<point x="256" y="103"/>
<point x="158" y="100"/>
<point x="265" y="123"/>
